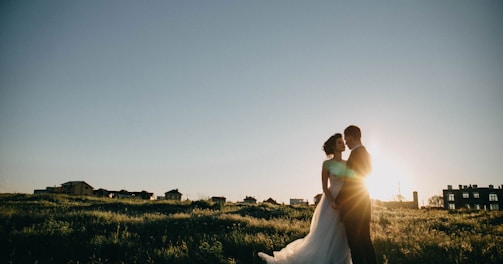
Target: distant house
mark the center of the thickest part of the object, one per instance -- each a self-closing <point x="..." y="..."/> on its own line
<point x="473" y="197"/>
<point x="173" y="195"/>
<point x="317" y="198"/>
<point x="124" y="194"/>
<point x="48" y="190"/>
<point x="77" y="188"/>
<point x="143" y="195"/>
<point x="70" y="188"/>
<point x="294" y="201"/>
<point x="102" y="193"/>
<point x="250" y="200"/>
<point x="270" y="201"/>
<point x="218" y="200"/>
<point x="82" y="188"/>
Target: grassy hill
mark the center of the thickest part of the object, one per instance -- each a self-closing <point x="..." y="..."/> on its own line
<point x="69" y="229"/>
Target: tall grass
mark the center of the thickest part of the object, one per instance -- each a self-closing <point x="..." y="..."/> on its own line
<point x="66" y="229"/>
<point x="438" y="236"/>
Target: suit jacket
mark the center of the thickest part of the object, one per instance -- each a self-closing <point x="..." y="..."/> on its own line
<point x="359" y="161"/>
<point x="353" y="197"/>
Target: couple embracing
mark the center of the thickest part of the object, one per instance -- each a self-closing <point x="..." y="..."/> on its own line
<point x="340" y="227"/>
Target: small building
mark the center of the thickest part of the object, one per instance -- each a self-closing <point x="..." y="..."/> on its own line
<point x="473" y="197"/>
<point x="296" y="201"/>
<point x="250" y="200"/>
<point x="122" y="194"/>
<point x="102" y="193"/>
<point x="77" y="188"/>
<point x="70" y="188"/>
<point x="48" y="190"/>
<point x="173" y="195"/>
<point x="271" y="201"/>
<point x="218" y="200"/>
<point x="317" y="198"/>
<point x="143" y="195"/>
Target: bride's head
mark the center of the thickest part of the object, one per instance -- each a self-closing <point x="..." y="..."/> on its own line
<point x="334" y="144"/>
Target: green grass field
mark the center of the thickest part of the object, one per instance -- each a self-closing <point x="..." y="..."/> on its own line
<point x="68" y="229"/>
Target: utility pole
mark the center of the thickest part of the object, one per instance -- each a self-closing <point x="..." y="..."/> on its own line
<point x="399" y="192"/>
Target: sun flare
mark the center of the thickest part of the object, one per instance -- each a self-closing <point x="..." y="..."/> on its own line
<point x="388" y="180"/>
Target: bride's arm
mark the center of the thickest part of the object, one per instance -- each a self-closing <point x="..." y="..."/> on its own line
<point x="324" y="183"/>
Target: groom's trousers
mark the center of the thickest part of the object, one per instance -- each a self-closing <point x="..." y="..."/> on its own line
<point x="355" y="210"/>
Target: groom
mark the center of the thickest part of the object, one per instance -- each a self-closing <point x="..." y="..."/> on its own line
<point x="354" y="200"/>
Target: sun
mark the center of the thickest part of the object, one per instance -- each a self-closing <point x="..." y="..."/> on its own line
<point x="388" y="179"/>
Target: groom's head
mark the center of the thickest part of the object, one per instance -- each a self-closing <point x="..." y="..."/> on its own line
<point x="352" y="136"/>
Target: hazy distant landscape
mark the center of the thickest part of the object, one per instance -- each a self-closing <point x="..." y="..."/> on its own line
<point x="71" y="229"/>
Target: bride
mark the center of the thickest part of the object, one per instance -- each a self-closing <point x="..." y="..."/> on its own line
<point x="326" y="241"/>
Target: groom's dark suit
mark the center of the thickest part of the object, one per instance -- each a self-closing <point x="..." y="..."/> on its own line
<point x="354" y="203"/>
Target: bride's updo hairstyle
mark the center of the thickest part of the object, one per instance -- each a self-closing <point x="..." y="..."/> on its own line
<point x="328" y="147"/>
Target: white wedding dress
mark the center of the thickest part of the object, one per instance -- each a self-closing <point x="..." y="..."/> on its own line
<point x="326" y="241"/>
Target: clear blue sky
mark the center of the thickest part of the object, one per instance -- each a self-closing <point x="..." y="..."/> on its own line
<point x="235" y="98"/>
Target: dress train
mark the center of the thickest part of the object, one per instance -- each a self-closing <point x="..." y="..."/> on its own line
<point x="326" y="241"/>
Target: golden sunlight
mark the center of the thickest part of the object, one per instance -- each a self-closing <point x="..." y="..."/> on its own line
<point x="388" y="181"/>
